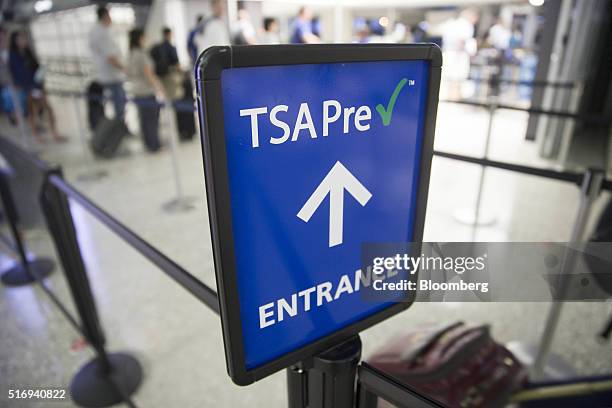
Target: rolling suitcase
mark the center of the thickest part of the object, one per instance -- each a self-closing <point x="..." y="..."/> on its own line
<point x="185" y="121"/>
<point x="107" y="137"/>
<point x="95" y="104"/>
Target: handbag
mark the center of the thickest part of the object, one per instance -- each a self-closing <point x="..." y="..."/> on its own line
<point x="456" y="364"/>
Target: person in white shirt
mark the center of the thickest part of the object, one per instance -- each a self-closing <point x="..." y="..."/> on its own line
<point x="215" y="30"/>
<point x="108" y="65"/>
<point x="458" y="45"/>
<point x="499" y="35"/>
<point x="245" y="33"/>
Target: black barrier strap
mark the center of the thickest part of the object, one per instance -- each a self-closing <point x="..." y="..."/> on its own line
<point x="193" y="285"/>
<point x="24" y="155"/>
<point x="10" y="211"/>
<point x="575" y="178"/>
<point x="496" y="81"/>
<point x="181" y="105"/>
<point x="373" y="383"/>
<point x="71" y="319"/>
<point x="591" y="119"/>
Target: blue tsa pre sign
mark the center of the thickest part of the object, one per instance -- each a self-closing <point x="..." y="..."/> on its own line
<point x="319" y="158"/>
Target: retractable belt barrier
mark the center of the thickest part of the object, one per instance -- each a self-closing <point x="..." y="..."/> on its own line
<point x="530" y="83"/>
<point x="474" y="217"/>
<point x="194" y="286"/>
<point x="589" y="119"/>
<point x="109" y="378"/>
<point x="182" y="105"/>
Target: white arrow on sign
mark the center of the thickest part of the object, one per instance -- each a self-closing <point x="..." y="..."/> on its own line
<point x="337" y="180"/>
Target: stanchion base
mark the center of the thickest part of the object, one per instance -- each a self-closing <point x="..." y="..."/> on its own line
<point x="93" y="175"/>
<point x="468" y="217"/>
<point x="18" y="275"/>
<point x="180" y="204"/>
<point x="92" y="387"/>
<point x="556" y="367"/>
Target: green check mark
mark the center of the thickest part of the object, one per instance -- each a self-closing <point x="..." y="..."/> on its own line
<point x="385" y="114"/>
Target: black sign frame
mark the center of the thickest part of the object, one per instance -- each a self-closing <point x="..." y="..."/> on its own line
<point x="208" y="70"/>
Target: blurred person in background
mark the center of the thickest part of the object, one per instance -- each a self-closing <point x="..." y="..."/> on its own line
<point x="167" y="68"/>
<point x="176" y="83"/>
<point x="215" y="31"/>
<point x="316" y="26"/>
<point x="302" y="28"/>
<point x="106" y="56"/>
<point x="419" y="32"/>
<point x="270" y="33"/>
<point x="499" y="35"/>
<point x="27" y="78"/>
<point x="8" y="95"/>
<point x="245" y="33"/>
<point x="458" y="45"/>
<point x="147" y="89"/>
<point x="362" y="30"/>
<point x="400" y="34"/>
<point x="192" y="46"/>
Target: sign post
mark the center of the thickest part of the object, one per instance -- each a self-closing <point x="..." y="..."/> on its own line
<point x="310" y="152"/>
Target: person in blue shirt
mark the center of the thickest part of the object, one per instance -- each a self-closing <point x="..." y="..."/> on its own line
<point x="302" y="28"/>
<point x="27" y="77"/>
<point x="192" y="46"/>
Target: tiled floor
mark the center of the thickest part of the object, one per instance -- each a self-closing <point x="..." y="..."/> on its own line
<point x="178" y="340"/>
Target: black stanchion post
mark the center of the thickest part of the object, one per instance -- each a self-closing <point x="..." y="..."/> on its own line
<point x="589" y="191"/>
<point x="180" y="203"/>
<point x="28" y="270"/>
<point x="296" y="387"/>
<point x="477" y="217"/>
<point x="109" y="378"/>
<point x="366" y="398"/>
<point x="329" y="378"/>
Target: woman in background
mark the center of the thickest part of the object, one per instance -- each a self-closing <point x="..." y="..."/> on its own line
<point x="27" y="78"/>
<point x="146" y="88"/>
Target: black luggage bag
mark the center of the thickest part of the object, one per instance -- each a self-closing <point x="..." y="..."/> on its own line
<point x="107" y="137"/>
<point x="185" y="121"/>
<point x="95" y="104"/>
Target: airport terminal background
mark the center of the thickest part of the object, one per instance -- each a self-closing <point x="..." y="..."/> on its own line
<point x="492" y="51"/>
